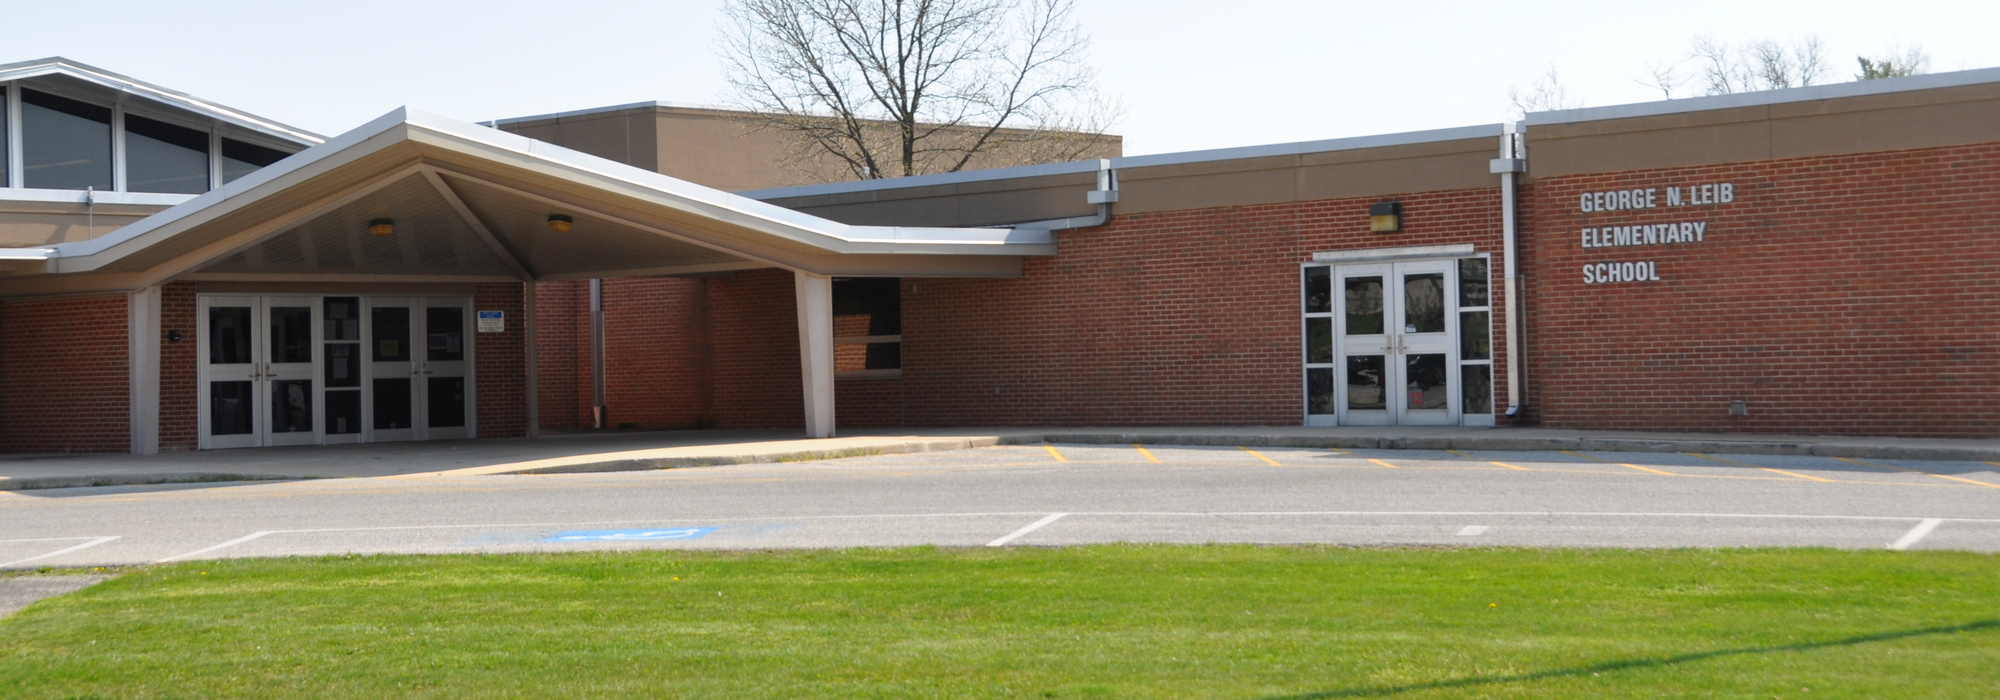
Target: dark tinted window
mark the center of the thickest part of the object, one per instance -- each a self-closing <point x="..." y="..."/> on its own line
<point x="65" y="144"/>
<point x="162" y="157"/>
<point x="880" y="299"/>
<point x="240" y="159"/>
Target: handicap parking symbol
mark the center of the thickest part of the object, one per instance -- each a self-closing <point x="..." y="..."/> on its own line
<point x="675" y="533"/>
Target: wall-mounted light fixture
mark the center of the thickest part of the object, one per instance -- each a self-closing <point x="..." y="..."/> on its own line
<point x="560" y="223"/>
<point x="382" y="227"/>
<point x="1385" y="217"/>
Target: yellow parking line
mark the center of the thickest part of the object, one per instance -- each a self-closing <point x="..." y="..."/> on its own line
<point x="1622" y="464"/>
<point x="1386" y="464"/>
<point x="1260" y="455"/>
<point x="1915" y="471"/>
<point x="1510" y="466"/>
<point x="1054" y="453"/>
<point x="1461" y="454"/>
<point x="1147" y="453"/>
<point x="1734" y="463"/>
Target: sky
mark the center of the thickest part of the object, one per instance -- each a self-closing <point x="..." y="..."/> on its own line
<point x="1192" y="74"/>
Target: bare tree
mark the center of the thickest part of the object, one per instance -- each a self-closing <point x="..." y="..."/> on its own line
<point x="1759" y="65"/>
<point x="1896" y="64"/>
<point x="886" y="88"/>
<point x="1546" y="93"/>
<point x="1664" y="77"/>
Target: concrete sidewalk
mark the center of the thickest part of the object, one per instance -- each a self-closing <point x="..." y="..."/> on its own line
<point x="631" y="451"/>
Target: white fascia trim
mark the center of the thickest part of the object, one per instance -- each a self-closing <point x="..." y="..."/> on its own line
<point x="1419" y="251"/>
<point x="1089" y="166"/>
<point x="831" y="236"/>
<point x="63" y="66"/>
<point x="26" y="253"/>
<point x="1857" y="88"/>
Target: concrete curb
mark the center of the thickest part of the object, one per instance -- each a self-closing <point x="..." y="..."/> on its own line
<point x="1484" y="442"/>
<point x="1506" y="443"/>
<point x="87" y="480"/>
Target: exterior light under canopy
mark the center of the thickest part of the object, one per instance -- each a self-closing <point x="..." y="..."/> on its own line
<point x="1385" y="217"/>
<point x="559" y="223"/>
<point x="382" y="227"/>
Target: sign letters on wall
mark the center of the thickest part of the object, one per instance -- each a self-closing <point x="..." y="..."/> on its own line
<point x="1671" y="233"/>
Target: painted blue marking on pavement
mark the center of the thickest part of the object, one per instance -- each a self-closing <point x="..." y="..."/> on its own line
<point x="675" y="533"/>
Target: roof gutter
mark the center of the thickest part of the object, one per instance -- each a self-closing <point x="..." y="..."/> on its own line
<point x="1104" y="196"/>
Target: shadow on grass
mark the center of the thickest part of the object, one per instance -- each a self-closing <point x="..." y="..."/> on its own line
<point x="1627" y="664"/>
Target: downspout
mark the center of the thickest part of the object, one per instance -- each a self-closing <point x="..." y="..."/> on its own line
<point x="1512" y="162"/>
<point x="597" y="407"/>
<point x="1104" y="196"/>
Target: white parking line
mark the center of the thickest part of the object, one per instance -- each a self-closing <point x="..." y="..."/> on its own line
<point x="1473" y="530"/>
<point x="1037" y="525"/>
<point x="205" y="550"/>
<point x="1917" y="534"/>
<point x="65" y="550"/>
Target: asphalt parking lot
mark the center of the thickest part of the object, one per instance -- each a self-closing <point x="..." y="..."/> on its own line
<point x="1041" y="495"/>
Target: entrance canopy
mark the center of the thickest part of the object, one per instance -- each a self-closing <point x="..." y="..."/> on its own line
<point x="467" y="203"/>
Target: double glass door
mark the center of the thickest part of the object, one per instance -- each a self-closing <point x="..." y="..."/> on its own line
<point x="301" y="370"/>
<point x="1402" y="343"/>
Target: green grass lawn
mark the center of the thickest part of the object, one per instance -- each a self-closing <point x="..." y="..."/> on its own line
<point x="1086" y="622"/>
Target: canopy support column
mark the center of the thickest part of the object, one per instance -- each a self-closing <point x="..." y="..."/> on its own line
<point x="815" y="306"/>
<point x="142" y="328"/>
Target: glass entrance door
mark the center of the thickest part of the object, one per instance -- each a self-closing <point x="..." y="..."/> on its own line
<point x="258" y="356"/>
<point x="418" y="362"/>
<point x="300" y="370"/>
<point x="1382" y="343"/>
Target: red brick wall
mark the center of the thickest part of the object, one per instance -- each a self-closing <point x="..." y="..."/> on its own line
<point x="657" y="353"/>
<point x="1175" y="318"/>
<point x="1851" y="294"/>
<point x="502" y="366"/>
<point x="563" y="371"/>
<point x="64" y="376"/>
<point x="755" y="332"/>
<point x="180" y="407"/>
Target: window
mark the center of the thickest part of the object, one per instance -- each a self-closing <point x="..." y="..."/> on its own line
<point x="66" y="143"/>
<point x="1475" y="336"/>
<point x="162" y="157"/>
<point x="867" y="327"/>
<point x="240" y="158"/>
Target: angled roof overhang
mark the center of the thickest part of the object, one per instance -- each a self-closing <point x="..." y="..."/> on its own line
<point x="472" y="204"/>
<point x="57" y="65"/>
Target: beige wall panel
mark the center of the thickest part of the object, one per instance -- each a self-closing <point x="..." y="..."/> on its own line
<point x="1198" y="190"/>
<point x="544" y="131"/>
<point x="613" y="135"/>
<point x="21" y="230"/>
<point x="1886" y="122"/>
<point x="1370" y="178"/>
<point x="1643" y="150"/>
<point x="1885" y="129"/>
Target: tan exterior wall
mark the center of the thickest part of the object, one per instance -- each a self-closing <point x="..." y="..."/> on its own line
<point x="712" y="147"/>
<point x="1861" y="124"/>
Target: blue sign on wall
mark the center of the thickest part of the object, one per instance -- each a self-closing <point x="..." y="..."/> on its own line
<point x="670" y="533"/>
